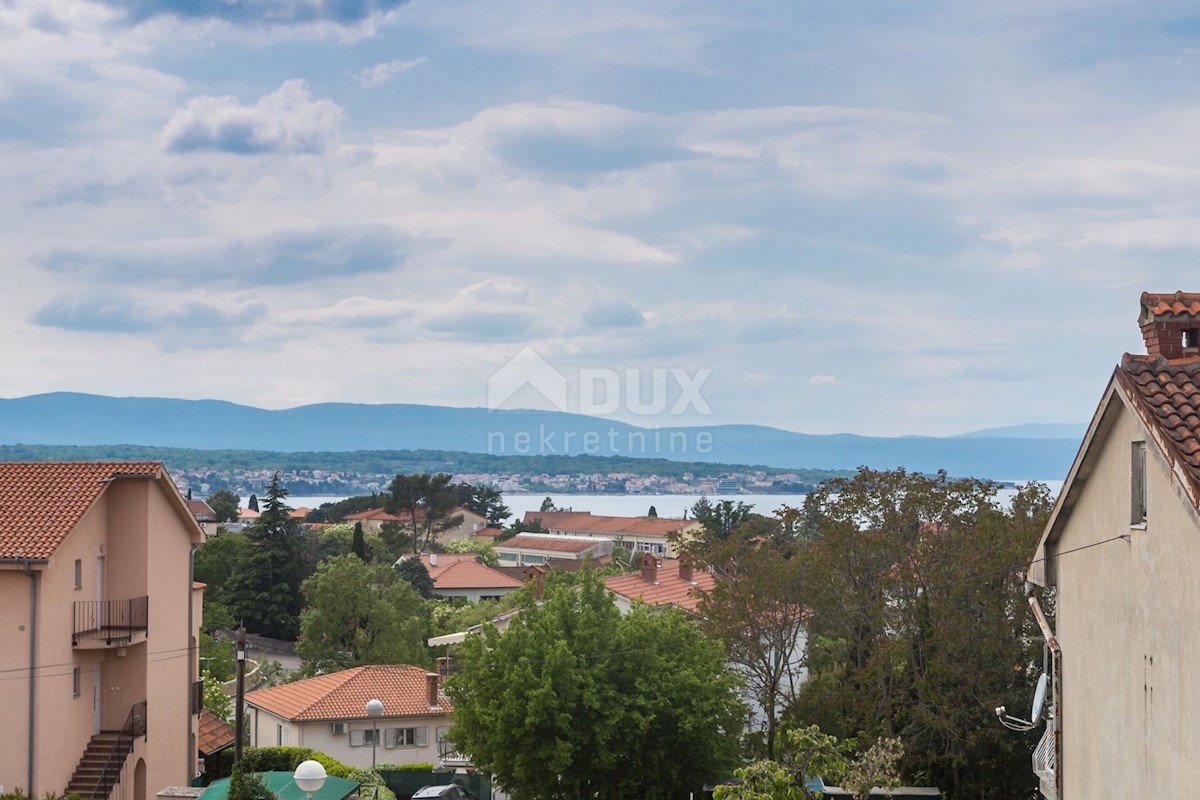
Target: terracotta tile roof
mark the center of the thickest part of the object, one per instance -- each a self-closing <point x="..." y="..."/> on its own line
<point x="459" y="571"/>
<point x="669" y="588"/>
<point x="1167" y="397"/>
<point x="587" y="522"/>
<point x="344" y="695"/>
<point x="1174" y="303"/>
<point x="202" y="511"/>
<point x="40" y="502"/>
<point x="371" y="513"/>
<point x="488" y="533"/>
<point x="573" y="544"/>
<point x="214" y="734"/>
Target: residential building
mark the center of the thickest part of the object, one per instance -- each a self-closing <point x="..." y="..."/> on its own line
<point x="662" y="583"/>
<point x="373" y="521"/>
<point x="1120" y="554"/>
<point x="646" y="534"/>
<point x="204" y="514"/>
<point x="527" y="549"/>
<point x="464" y="575"/>
<point x="101" y="619"/>
<point x="328" y="713"/>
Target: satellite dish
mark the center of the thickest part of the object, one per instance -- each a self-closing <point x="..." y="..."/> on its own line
<point x="1039" y="699"/>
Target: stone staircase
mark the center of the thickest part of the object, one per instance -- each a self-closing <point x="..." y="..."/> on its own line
<point x="106" y="749"/>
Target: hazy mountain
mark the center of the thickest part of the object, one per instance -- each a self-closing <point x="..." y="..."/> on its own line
<point x="81" y="419"/>
<point x="1032" y="430"/>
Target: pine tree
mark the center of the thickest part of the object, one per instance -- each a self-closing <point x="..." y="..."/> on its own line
<point x="359" y="545"/>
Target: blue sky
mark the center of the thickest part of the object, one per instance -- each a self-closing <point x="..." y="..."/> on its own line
<point x="883" y="218"/>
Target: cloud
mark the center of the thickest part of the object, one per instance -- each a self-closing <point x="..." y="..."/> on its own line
<point x="198" y="322"/>
<point x="378" y="75"/>
<point x="286" y="120"/>
<point x="285" y="257"/>
<point x="613" y="314"/>
<point x="823" y="380"/>
<point x="265" y="12"/>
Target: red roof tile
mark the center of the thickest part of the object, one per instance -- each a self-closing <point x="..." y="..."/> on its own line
<point x="371" y="513"/>
<point x="344" y="695"/>
<point x="573" y="544"/>
<point x="465" y="571"/>
<point x="1167" y="397"/>
<point x="1175" y="303"/>
<point x="668" y="589"/>
<point x="202" y="511"/>
<point x="40" y="502"/>
<point x="587" y="522"/>
<point x="214" y="734"/>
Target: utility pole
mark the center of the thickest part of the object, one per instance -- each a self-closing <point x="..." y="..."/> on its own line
<point x="240" y="708"/>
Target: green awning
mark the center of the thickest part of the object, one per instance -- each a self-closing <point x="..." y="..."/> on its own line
<point x="282" y="784"/>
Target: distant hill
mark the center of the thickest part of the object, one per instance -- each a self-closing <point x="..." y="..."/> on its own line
<point x="1032" y="430"/>
<point x="82" y="419"/>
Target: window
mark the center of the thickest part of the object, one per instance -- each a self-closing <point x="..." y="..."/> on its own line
<point x="405" y="737"/>
<point x="1137" y="484"/>
<point x="75" y="678"/>
<point x="364" y="738"/>
<point x="534" y="559"/>
<point x="78" y="573"/>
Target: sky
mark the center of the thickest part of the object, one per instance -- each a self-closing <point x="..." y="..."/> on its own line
<point x="883" y="218"/>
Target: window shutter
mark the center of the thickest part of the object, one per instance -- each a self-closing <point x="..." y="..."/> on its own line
<point x="358" y="738"/>
<point x="389" y="737"/>
<point x="422" y="737"/>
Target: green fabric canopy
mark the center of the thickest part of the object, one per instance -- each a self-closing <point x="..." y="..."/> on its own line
<point x="283" y="785"/>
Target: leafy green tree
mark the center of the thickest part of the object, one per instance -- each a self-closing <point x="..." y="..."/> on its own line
<point x="360" y="614"/>
<point x="521" y="526"/>
<point x="575" y="700"/>
<point x="488" y="502"/>
<point x="720" y="519"/>
<point x="412" y="571"/>
<point x="917" y="627"/>
<point x="225" y="504"/>
<point x="215" y="699"/>
<point x="480" y="547"/>
<point x="218" y="558"/>
<point x="548" y="506"/>
<point x="762" y="780"/>
<point x="252" y="503"/>
<point x="652" y="513"/>
<point x="216" y="654"/>
<point x="359" y="545"/>
<point x="426" y="503"/>
<point x="263" y="592"/>
<point x="244" y="785"/>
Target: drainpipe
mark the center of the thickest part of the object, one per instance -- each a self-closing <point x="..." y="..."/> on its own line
<point x="1056" y="684"/>
<point x="33" y="598"/>
<point x="191" y="633"/>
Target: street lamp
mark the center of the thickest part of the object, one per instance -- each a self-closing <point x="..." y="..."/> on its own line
<point x="374" y="711"/>
<point x="309" y="777"/>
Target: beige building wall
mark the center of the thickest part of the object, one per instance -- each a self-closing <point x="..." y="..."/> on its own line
<point x="1127" y="613"/>
<point x="119" y="559"/>
<point x="265" y="729"/>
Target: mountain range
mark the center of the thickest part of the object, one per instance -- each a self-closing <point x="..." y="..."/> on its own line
<point x="1034" y="451"/>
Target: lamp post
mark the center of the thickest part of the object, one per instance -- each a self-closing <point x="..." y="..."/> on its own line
<point x="374" y="711"/>
<point x="309" y="777"/>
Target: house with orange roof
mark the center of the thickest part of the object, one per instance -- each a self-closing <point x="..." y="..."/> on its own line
<point x="666" y="583"/>
<point x="643" y="534"/>
<point x="374" y="519"/>
<point x="328" y="713"/>
<point x="100" y="617"/>
<point x="1120" y="553"/>
<point x="465" y="575"/>
<point x="528" y="549"/>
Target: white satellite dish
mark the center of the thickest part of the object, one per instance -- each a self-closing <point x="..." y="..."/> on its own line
<point x="1039" y="699"/>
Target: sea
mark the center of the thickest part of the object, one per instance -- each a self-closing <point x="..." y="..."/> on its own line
<point x="636" y="505"/>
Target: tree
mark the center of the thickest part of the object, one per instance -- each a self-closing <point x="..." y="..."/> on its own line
<point x="720" y="519"/>
<point x="359" y="546"/>
<point x="652" y="513"/>
<point x="521" y="526"/>
<point x="427" y="502"/>
<point x="548" y="506"/>
<point x="486" y="501"/>
<point x="360" y="614"/>
<point x="244" y="785"/>
<point x="412" y="571"/>
<point x="225" y="504"/>
<point x="215" y="699"/>
<point x="575" y="700"/>
<point x="918" y="624"/>
<point x="263" y="592"/>
<point x="216" y="654"/>
<point x="217" y="559"/>
<point x="758" y="608"/>
<point x="480" y="547"/>
<point x="252" y="503"/>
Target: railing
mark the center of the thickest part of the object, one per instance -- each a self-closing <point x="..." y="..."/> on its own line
<point x="449" y="754"/>
<point x="1045" y="761"/>
<point x="113" y="621"/>
<point x="135" y="726"/>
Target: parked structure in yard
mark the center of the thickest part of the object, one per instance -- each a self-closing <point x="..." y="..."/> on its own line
<point x="1121" y="551"/>
<point x="328" y="713"/>
<point x="100" y="619"/>
<point x="646" y="534"/>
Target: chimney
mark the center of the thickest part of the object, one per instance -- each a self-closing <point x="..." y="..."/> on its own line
<point x="433" y="559"/>
<point x="431" y="689"/>
<point x="685" y="569"/>
<point x="536" y="574"/>
<point x="445" y="666"/>
<point x="650" y="568"/>
<point x="1170" y="324"/>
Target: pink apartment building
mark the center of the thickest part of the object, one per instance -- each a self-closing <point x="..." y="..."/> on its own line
<point x="100" y="616"/>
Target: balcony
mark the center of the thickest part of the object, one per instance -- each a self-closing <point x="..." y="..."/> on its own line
<point x="110" y="623"/>
<point x="1045" y="762"/>
<point x="450" y="756"/>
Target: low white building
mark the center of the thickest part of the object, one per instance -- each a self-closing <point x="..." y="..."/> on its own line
<point x="527" y="549"/>
<point x="328" y="713"/>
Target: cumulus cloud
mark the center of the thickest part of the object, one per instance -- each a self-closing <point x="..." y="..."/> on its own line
<point x="276" y="12"/>
<point x="378" y="75"/>
<point x="823" y="380"/>
<point x="287" y="120"/>
<point x="613" y="314"/>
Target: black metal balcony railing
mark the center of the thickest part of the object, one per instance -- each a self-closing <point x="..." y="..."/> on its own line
<point x="112" y="621"/>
